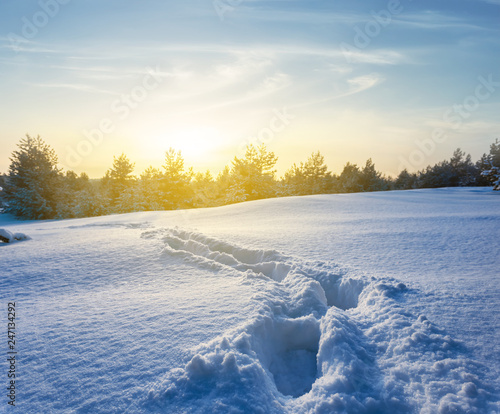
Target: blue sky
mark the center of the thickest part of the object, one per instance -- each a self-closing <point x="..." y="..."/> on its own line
<point x="396" y="81"/>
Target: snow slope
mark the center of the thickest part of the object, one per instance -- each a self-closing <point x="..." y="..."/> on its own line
<point x="359" y="303"/>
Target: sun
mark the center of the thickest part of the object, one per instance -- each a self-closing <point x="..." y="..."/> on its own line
<point x="202" y="147"/>
<point x="197" y="144"/>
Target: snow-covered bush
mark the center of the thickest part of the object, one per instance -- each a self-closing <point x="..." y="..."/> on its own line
<point x="7" y="237"/>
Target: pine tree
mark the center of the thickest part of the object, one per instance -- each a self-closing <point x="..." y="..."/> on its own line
<point x="252" y="177"/>
<point x="464" y="172"/>
<point x="316" y="173"/>
<point x="491" y="165"/>
<point x="311" y="177"/>
<point x="370" y="179"/>
<point x="32" y="188"/>
<point x="406" y="181"/>
<point x="3" y="182"/>
<point x="349" y="180"/>
<point x="458" y="171"/>
<point x="71" y="187"/>
<point x="205" y="190"/>
<point x="175" y="182"/>
<point x="495" y="153"/>
<point x="149" y="196"/>
<point x="117" y="180"/>
<point x="89" y="203"/>
<point x="228" y="192"/>
<point x="293" y="182"/>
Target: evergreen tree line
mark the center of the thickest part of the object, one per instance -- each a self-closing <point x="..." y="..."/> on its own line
<point x="35" y="188"/>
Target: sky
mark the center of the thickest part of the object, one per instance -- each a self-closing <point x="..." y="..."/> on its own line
<point x="403" y="82"/>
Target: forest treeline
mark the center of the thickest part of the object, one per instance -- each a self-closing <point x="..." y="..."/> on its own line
<point x="35" y="188"/>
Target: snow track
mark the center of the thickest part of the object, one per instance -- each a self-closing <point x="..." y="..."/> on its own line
<point x="319" y="340"/>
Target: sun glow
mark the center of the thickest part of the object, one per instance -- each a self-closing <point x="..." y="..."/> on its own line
<point x="197" y="144"/>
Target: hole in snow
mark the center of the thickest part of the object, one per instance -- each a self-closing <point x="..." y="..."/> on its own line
<point x="341" y="292"/>
<point x="288" y="348"/>
<point x="294" y="371"/>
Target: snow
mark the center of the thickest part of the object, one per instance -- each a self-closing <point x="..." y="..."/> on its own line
<point x="7" y="237"/>
<point x="356" y="303"/>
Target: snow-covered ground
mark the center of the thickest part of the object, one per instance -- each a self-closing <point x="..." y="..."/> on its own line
<point x="356" y="303"/>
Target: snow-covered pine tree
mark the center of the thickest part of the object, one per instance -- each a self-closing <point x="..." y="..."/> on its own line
<point x="293" y="182"/>
<point x="205" y="190"/>
<point x="406" y="180"/>
<point x="3" y="180"/>
<point x="175" y="182"/>
<point x="456" y="172"/>
<point x="89" y="203"/>
<point x="491" y="165"/>
<point x="316" y="174"/>
<point x="118" y="180"/>
<point x="349" y="180"/>
<point x="371" y="179"/>
<point x="228" y="191"/>
<point x="32" y="187"/>
<point x="148" y="194"/>
<point x="252" y="177"/>
<point x="311" y="177"/>
<point x="493" y="174"/>
<point x="71" y="187"/>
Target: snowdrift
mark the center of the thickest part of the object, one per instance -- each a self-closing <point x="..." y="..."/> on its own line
<point x="320" y="341"/>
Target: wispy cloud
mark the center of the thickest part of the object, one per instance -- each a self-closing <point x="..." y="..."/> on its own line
<point x="496" y="2"/>
<point x="258" y="92"/>
<point x="22" y="45"/>
<point x="255" y="55"/>
<point x="362" y="83"/>
<point x="351" y="86"/>
<point x="76" y="87"/>
<point x="298" y="16"/>
<point x="431" y="19"/>
<point x="375" y="57"/>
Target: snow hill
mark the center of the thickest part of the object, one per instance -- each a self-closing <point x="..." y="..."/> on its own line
<point x="354" y="303"/>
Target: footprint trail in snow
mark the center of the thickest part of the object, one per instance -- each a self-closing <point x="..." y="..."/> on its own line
<point x="319" y="340"/>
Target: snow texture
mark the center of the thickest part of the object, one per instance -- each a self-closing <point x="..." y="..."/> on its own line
<point x="302" y="352"/>
<point x="362" y="303"/>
